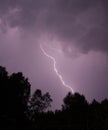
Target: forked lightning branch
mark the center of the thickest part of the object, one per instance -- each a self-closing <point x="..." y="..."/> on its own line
<point x="55" y="69"/>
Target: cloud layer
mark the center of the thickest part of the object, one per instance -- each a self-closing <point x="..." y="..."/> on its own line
<point x="83" y="24"/>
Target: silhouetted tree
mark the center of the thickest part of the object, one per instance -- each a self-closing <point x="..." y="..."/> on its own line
<point x="74" y="101"/>
<point x="40" y="102"/>
<point x="19" y="96"/>
<point x="14" y="96"/>
<point x="3" y="96"/>
<point x="76" y="107"/>
<point x="104" y="105"/>
<point x="3" y="86"/>
<point x="3" y="72"/>
<point x="95" y="116"/>
<point x="20" y="111"/>
<point x="20" y="89"/>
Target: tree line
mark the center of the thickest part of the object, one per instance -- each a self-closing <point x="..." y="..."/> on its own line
<point x="19" y="110"/>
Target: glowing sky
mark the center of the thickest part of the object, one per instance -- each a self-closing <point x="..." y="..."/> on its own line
<point x="74" y="32"/>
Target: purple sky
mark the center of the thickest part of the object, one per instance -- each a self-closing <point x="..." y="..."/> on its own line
<point x="74" y="32"/>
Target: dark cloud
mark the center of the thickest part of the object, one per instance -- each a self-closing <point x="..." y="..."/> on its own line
<point x="83" y="21"/>
<point x="29" y="10"/>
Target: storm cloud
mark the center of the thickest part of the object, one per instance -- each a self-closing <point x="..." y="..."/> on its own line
<point x="83" y="24"/>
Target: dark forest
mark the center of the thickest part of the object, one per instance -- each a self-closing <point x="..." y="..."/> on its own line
<point x="19" y="110"/>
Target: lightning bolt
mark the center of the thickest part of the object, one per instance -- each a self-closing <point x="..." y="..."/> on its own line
<point x="55" y="69"/>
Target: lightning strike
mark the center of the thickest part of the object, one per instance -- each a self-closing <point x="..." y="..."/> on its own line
<point x="55" y="69"/>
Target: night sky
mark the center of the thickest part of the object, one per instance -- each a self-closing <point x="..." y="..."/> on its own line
<point x="73" y="32"/>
